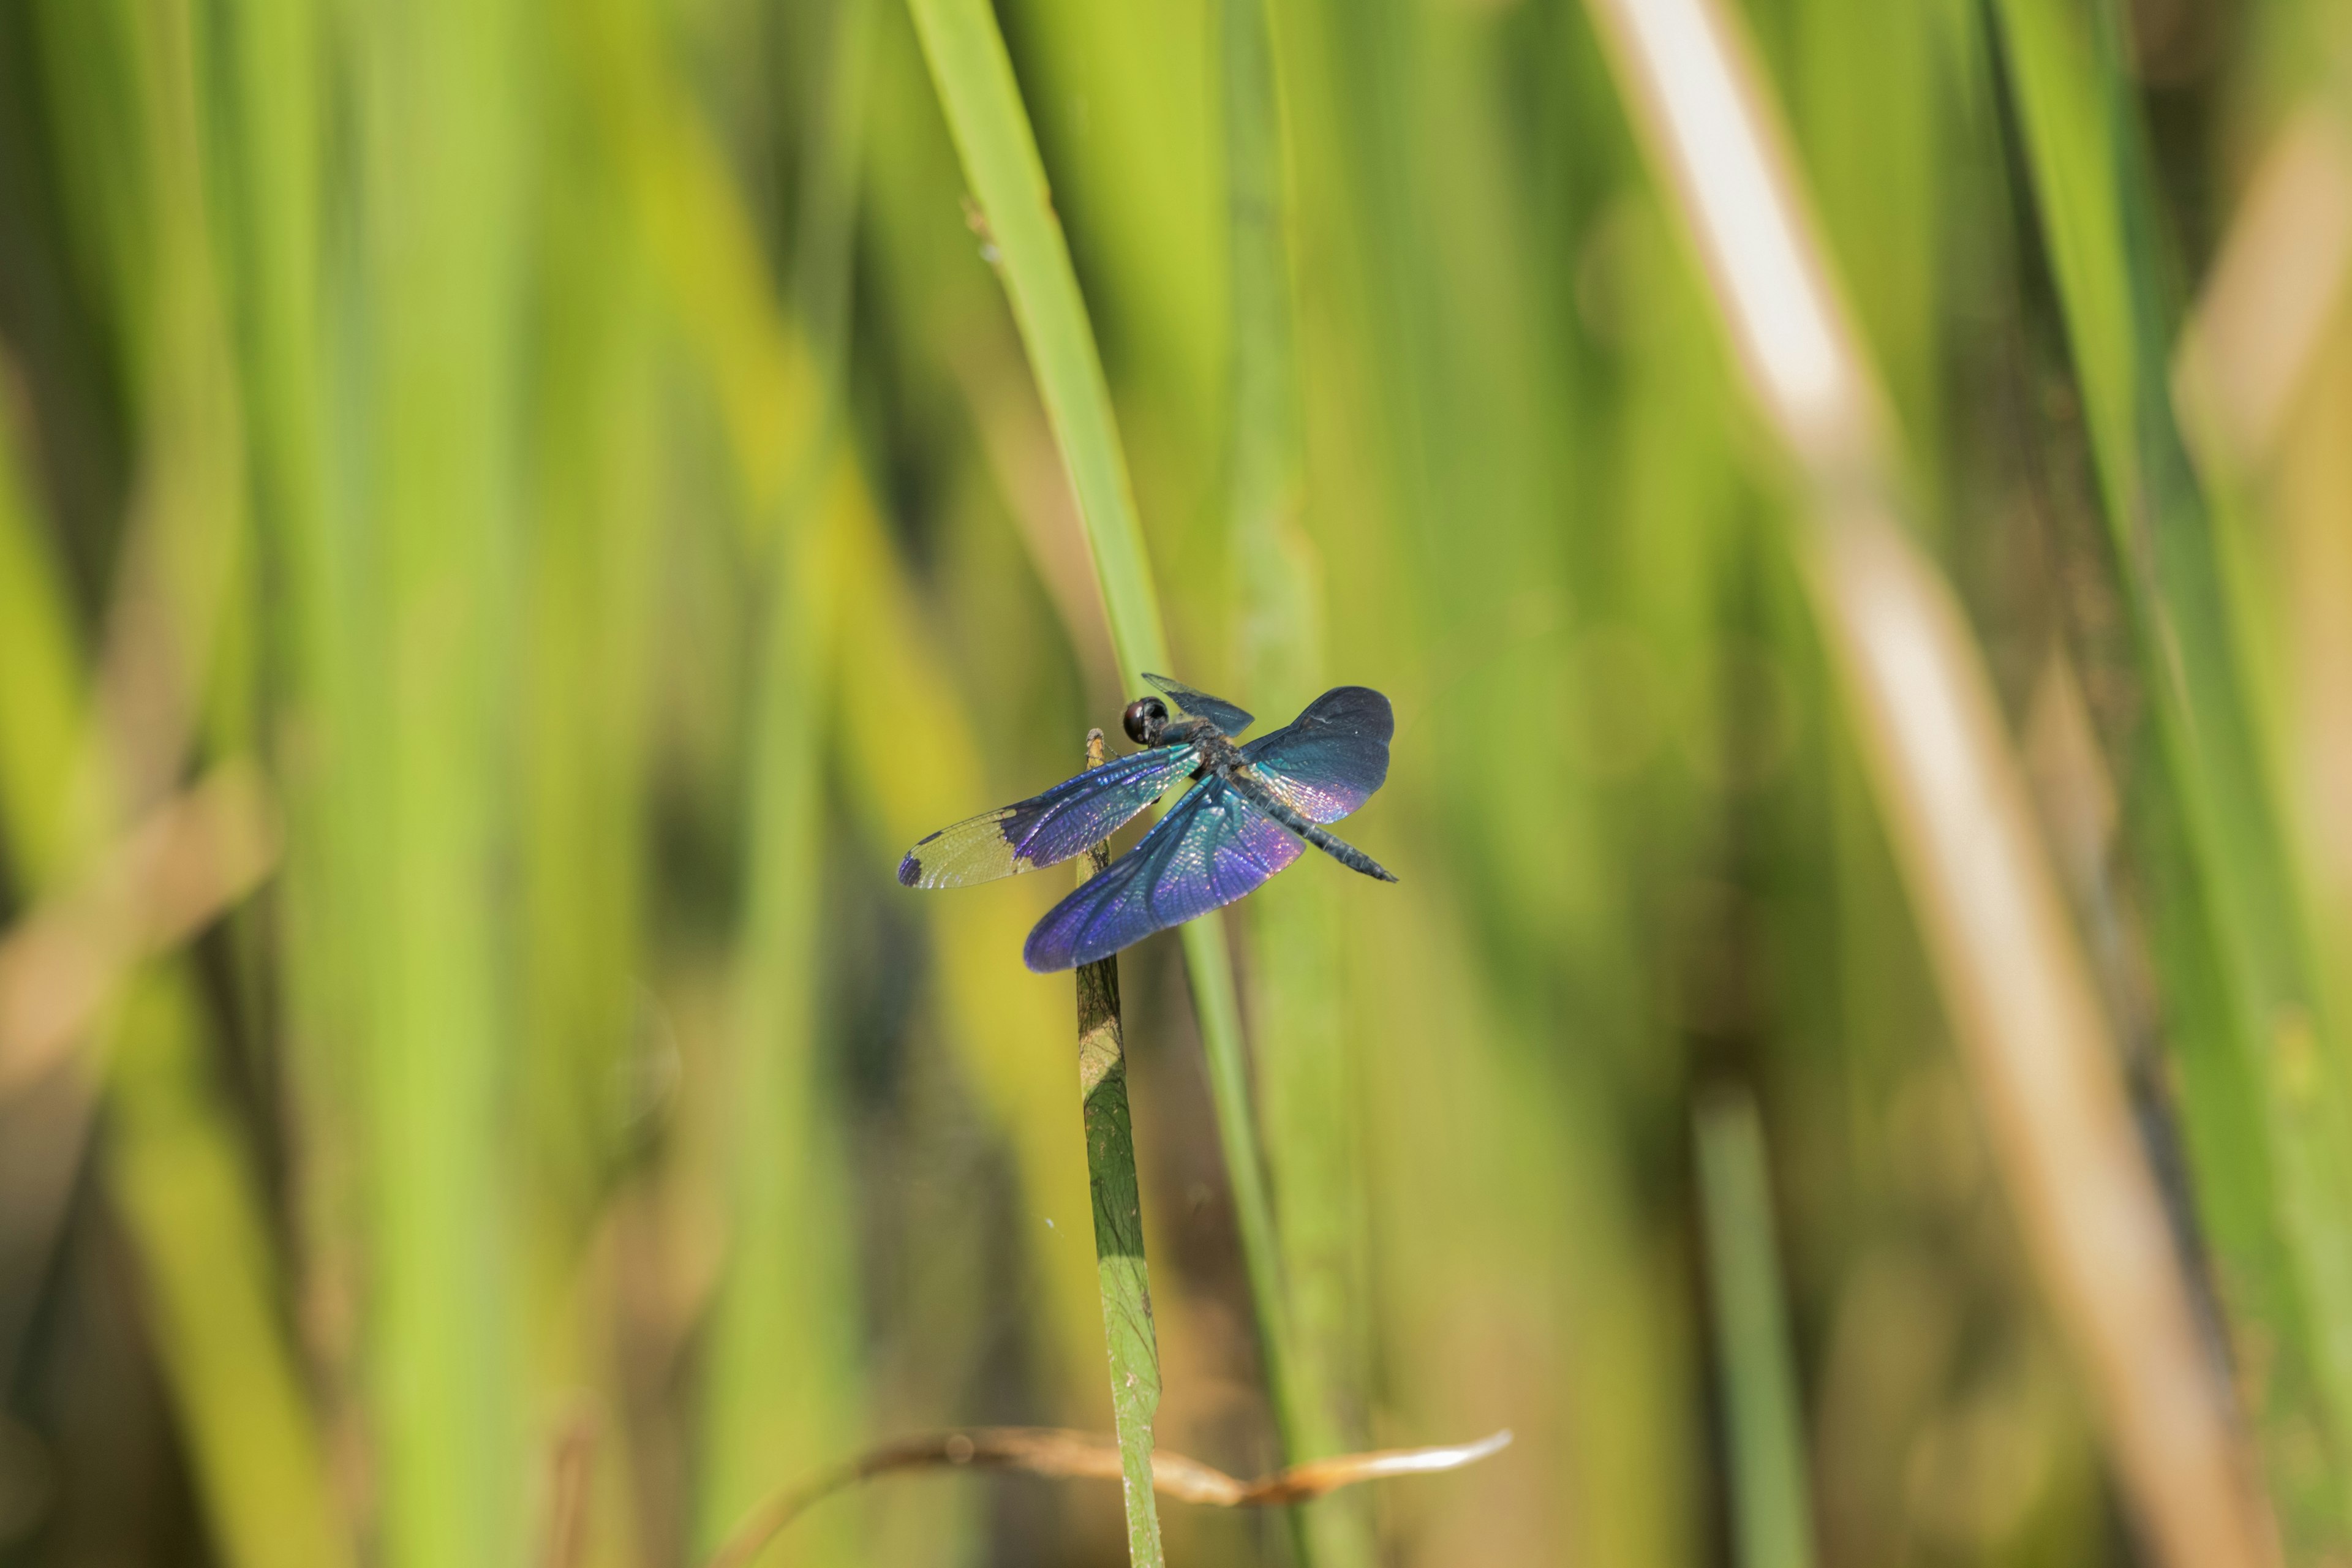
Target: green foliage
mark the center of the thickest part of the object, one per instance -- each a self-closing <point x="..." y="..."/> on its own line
<point x="619" y="471"/>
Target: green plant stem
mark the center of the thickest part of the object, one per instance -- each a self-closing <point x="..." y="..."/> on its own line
<point x="973" y="76"/>
<point x="781" y="1321"/>
<point x="784" y="1318"/>
<point x="429" y="638"/>
<point x="1307" y="1075"/>
<point x="1119" y="1267"/>
<point x="1772" y="1519"/>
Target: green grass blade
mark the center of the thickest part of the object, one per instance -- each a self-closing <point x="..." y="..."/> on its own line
<point x="175" y="1159"/>
<point x="975" y="83"/>
<point x="974" y="79"/>
<point x="779" y="1395"/>
<point x="1124" y="1279"/>
<point x="782" y="1384"/>
<point x="2270" y="1100"/>
<point x="429" y="646"/>
<point x="1307" y="1070"/>
<point x="41" y="724"/>
<point x="786" y="1316"/>
<point x="1772" y="1508"/>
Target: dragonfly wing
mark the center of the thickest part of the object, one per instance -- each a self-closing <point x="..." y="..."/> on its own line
<point x="1209" y="849"/>
<point x="1048" y="827"/>
<point x="1329" y="760"/>
<point x="1233" y="721"/>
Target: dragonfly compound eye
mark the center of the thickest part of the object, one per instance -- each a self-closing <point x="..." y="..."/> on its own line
<point x="1146" y="720"/>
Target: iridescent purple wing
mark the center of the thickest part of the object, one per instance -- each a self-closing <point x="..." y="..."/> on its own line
<point x="1227" y="718"/>
<point x="1045" y="828"/>
<point x="1210" y="848"/>
<point x="1327" y="762"/>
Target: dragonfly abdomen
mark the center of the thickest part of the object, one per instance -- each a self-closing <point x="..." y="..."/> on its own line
<point x="1273" y="805"/>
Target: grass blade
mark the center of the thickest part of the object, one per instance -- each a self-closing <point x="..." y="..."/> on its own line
<point x="2267" y="1041"/>
<point x="1772" y="1512"/>
<point x="427" y="645"/>
<point x="781" y="1375"/>
<point x="1125" y="1281"/>
<point x="785" y="1369"/>
<point x="1306" y="1066"/>
<point x="2013" y="977"/>
<point x="974" y="80"/>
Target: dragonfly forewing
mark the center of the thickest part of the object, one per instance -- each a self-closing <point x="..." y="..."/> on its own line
<point x="1047" y="828"/>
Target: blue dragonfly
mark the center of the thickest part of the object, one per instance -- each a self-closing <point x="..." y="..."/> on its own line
<point x="1251" y="810"/>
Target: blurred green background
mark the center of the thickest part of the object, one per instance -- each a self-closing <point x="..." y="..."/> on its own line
<point x="513" y="514"/>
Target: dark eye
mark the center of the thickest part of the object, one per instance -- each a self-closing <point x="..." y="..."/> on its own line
<point x="1145" y="718"/>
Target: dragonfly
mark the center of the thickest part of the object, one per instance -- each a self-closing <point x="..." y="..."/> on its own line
<point x="1251" y="810"/>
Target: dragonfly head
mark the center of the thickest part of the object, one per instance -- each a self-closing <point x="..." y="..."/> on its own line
<point x="1146" y="720"/>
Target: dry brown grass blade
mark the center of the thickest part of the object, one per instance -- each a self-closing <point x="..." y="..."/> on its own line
<point x="2011" y="968"/>
<point x="1060" y="1454"/>
<point x="2263" y="311"/>
<point x="188" y="862"/>
<point x="570" y="1458"/>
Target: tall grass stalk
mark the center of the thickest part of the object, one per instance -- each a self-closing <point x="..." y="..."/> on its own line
<point x="2267" y="1080"/>
<point x="1772" y="1503"/>
<point x="984" y="111"/>
<point x="1126" y="1283"/>
<point x="278" y="99"/>
<point x="780" y="1390"/>
<point x="1306" y="1070"/>
<point x="1517" y="494"/>
<point x="781" y="1323"/>
<point x="430" y="647"/>
<point x="2013" y="977"/>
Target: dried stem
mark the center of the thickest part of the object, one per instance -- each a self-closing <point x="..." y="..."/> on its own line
<point x="1063" y="1455"/>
